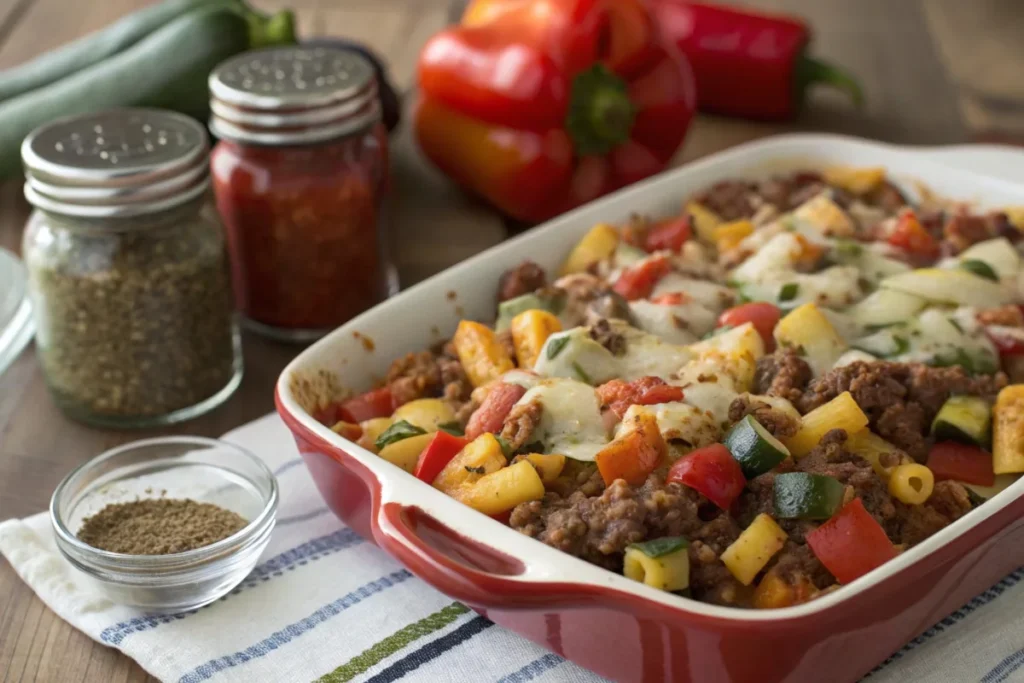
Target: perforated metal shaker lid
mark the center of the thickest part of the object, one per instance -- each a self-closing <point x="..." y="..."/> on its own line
<point x="293" y="95"/>
<point x="120" y="162"/>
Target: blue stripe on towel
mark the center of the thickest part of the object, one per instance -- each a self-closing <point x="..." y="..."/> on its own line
<point x="431" y="651"/>
<point x="533" y="669"/>
<point x="976" y="602"/>
<point x="292" y="631"/>
<point x="264" y="572"/>
<point x="1002" y="671"/>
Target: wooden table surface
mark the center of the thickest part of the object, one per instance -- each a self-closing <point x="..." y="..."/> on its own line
<point x="934" y="71"/>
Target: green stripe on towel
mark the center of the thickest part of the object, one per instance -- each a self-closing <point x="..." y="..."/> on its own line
<point x="393" y="643"/>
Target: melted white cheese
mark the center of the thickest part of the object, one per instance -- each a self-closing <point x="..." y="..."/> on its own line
<point x="570" y="422"/>
<point x="679" y="421"/>
<point x="675" y="323"/>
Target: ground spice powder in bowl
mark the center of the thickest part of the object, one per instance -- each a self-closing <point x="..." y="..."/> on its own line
<point x="158" y="526"/>
<point x="166" y="525"/>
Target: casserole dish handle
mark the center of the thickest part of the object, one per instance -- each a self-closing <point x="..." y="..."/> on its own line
<point x="446" y="555"/>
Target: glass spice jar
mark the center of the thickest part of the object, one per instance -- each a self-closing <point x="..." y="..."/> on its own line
<point x="299" y="174"/>
<point x="128" y="271"/>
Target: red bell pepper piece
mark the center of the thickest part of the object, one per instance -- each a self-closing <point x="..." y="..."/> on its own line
<point x="1006" y="344"/>
<point x="670" y="299"/>
<point x="491" y="414"/>
<point x="671" y="234"/>
<point x="638" y="282"/>
<point x="748" y="64"/>
<point x="542" y="105"/>
<point x="852" y="543"/>
<point x="912" y="237"/>
<point x="645" y="391"/>
<point x="441" y="449"/>
<point x="961" y="462"/>
<point x="711" y="471"/>
<point x="376" y="403"/>
<point x="763" y="315"/>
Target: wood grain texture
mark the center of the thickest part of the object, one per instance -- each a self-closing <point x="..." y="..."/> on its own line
<point x="933" y="70"/>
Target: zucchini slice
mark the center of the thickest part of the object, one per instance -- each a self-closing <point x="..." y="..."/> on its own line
<point x="552" y="303"/>
<point x="800" y="495"/>
<point x="754" y="448"/>
<point x="663" y="563"/>
<point x="966" y="419"/>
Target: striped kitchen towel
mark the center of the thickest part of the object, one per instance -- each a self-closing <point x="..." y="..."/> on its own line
<point x="324" y="605"/>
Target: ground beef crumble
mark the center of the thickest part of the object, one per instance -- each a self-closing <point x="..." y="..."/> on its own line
<point x="777" y="422"/>
<point x="900" y="399"/>
<point x="525" y="278"/>
<point x="426" y="374"/>
<point x="783" y="373"/>
<point x="520" y="424"/>
<point x="601" y="332"/>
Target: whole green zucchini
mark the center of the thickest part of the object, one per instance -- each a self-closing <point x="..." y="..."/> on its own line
<point x="97" y="46"/>
<point x="167" y="69"/>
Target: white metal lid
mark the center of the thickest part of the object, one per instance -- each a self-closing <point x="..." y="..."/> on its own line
<point x="293" y="96"/>
<point x="120" y="162"/>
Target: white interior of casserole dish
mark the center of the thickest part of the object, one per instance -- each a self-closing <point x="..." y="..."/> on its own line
<point x="430" y="311"/>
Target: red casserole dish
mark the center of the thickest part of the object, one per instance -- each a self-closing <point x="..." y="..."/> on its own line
<point x="603" y="621"/>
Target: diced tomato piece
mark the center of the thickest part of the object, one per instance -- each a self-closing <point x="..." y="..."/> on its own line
<point x="491" y="414"/>
<point x="671" y="234"/>
<point x="764" y="316"/>
<point x="670" y="299"/>
<point x="441" y="449"/>
<point x="711" y="471"/>
<point x="376" y="403"/>
<point x="638" y="282"/>
<point x="645" y="391"/>
<point x="912" y="237"/>
<point x="503" y="517"/>
<point x="961" y="462"/>
<point x="1006" y="344"/>
<point x="634" y="455"/>
<point x="852" y="543"/>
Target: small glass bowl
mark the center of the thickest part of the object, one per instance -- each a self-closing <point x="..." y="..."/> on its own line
<point x="203" y="470"/>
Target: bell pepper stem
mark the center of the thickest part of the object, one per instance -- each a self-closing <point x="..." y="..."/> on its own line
<point x="600" y="111"/>
<point x="811" y="71"/>
<point x="268" y="29"/>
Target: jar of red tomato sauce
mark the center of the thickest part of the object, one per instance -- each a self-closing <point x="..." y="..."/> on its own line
<point x="299" y="175"/>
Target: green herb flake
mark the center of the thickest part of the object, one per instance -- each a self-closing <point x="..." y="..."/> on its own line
<point x="397" y="432"/>
<point x="789" y="291"/>
<point x="954" y="323"/>
<point x="902" y="345"/>
<point x="979" y="268"/>
<point x="454" y="428"/>
<point x="661" y="546"/>
<point x="584" y="377"/>
<point x="848" y="249"/>
<point x="506" y="447"/>
<point x="555" y="346"/>
<point x="717" y="331"/>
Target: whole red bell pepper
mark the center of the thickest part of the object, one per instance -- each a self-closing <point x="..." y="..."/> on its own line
<point x="712" y="471"/>
<point x="746" y="63"/>
<point x="542" y="105"/>
<point x="852" y="543"/>
<point x="438" y="453"/>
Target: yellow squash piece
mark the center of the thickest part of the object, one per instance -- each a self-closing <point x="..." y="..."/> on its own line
<point x="729" y="235"/>
<point x="373" y="428"/>
<point x="481" y="456"/>
<point x="482" y="356"/>
<point x="842" y="412"/>
<point x="596" y="246"/>
<point x="406" y="452"/>
<point x="858" y="181"/>
<point x="911" y="483"/>
<point x="1016" y="216"/>
<point x="530" y="329"/>
<point x="807" y="328"/>
<point x="547" y="466"/>
<point x="751" y="551"/>
<point x="826" y="216"/>
<point x="668" y="572"/>
<point x="425" y="413"/>
<point x="502" y="490"/>
<point x="704" y="220"/>
<point x="1008" y="431"/>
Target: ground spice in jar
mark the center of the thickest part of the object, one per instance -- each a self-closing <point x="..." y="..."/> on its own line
<point x="158" y="526"/>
